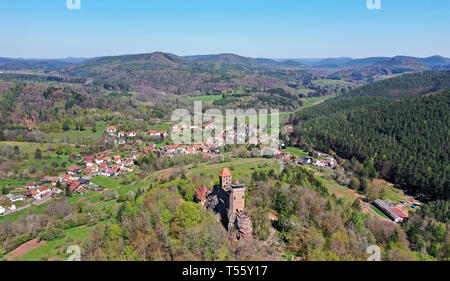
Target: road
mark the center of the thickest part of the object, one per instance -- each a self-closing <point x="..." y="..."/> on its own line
<point x="282" y="164"/>
<point x="35" y="203"/>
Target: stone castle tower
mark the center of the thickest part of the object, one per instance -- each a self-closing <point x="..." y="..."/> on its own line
<point x="227" y="200"/>
<point x="234" y="192"/>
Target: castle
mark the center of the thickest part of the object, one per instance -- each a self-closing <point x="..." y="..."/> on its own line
<point x="228" y="201"/>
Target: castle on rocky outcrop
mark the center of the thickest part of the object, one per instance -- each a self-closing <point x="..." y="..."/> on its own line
<point x="227" y="200"/>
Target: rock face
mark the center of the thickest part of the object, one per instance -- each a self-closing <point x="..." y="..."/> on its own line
<point x="244" y="226"/>
<point x="227" y="201"/>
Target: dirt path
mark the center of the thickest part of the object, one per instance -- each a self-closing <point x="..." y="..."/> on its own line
<point x="24" y="248"/>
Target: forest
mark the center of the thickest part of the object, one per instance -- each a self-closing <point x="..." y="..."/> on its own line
<point x="397" y="129"/>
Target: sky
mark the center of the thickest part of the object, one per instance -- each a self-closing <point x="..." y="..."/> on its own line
<point x="254" y="28"/>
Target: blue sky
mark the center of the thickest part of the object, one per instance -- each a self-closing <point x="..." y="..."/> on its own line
<point x="256" y="28"/>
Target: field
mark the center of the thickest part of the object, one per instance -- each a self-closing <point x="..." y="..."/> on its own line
<point x="5" y="182"/>
<point x="78" y="136"/>
<point x="56" y="249"/>
<point x="316" y="100"/>
<point x="390" y="192"/>
<point x="29" y="163"/>
<point x="28" y="211"/>
<point x="106" y="182"/>
<point x="26" y="147"/>
<point x="338" y="190"/>
<point x="296" y="151"/>
<point x="208" y="98"/>
<point x="331" y="83"/>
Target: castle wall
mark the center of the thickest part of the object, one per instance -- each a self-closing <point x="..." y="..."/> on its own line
<point x="237" y="200"/>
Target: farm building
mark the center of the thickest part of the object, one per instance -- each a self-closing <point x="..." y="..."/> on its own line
<point x="393" y="213"/>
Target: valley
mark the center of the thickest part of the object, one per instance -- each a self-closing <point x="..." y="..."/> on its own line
<point x="87" y="158"/>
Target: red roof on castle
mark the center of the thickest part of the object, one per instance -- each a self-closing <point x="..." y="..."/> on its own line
<point x="225" y="173"/>
<point x="201" y="192"/>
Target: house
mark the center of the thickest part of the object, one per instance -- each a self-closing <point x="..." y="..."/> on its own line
<point x="121" y="134"/>
<point x="148" y="149"/>
<point x="317" y="162"/>
<point x="111" y="130"/>
<point x="89" y="161"/>
<point x="15" y="198"/>
<point x="67" y="178"/>
<point x="110" y="172"/>
<point x="117" y="159"/>
<point x="74" y="170"/>
<point x="31" y="184"/>
<point x="12" y="207"/>
<point x="131" y="134"/>
<point x="44" y="189"/>
<point x="129" y="162"/>
<point x="90" y="169"/>
<point x="56" y="190"/>
<point x="35" y="194"/>
<point x="83" y="181"/>
<point x="75" y="186"/>
<point x="46" y="179"/>
<point x="2" y="210"/>
<point x="154" y="133"/>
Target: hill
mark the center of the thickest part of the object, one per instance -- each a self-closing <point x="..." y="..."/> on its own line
<point x="233" y="59"/>
<point x="389" y="67"/>
<point x="177" y="75"/>
<point x="395" y="128"/>
<point x="39" y="65"/>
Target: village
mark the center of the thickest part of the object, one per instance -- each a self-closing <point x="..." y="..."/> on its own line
<point x="112" y="163"/>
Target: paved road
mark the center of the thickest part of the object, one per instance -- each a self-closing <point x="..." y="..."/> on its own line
<point x="282" y="166"/>
<point x="35" y="203"/>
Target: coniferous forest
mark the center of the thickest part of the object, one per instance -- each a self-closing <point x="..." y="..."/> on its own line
<point x="398" y="129"/>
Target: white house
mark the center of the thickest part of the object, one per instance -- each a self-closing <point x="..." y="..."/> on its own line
<point x="111" y="130"/>
<point x="15" y="198"/>
<point x="57" y="191"/>
<point x="35" y="194"/>
<point x="12" y="208"/>
<point x="154" y="133"/>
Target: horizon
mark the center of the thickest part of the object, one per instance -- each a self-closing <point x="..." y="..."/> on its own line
<point x="217" y="54"/>
<point x="258" y="29"/>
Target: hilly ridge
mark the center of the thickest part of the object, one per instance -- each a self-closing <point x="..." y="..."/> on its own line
<point x="397" y="129"/>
